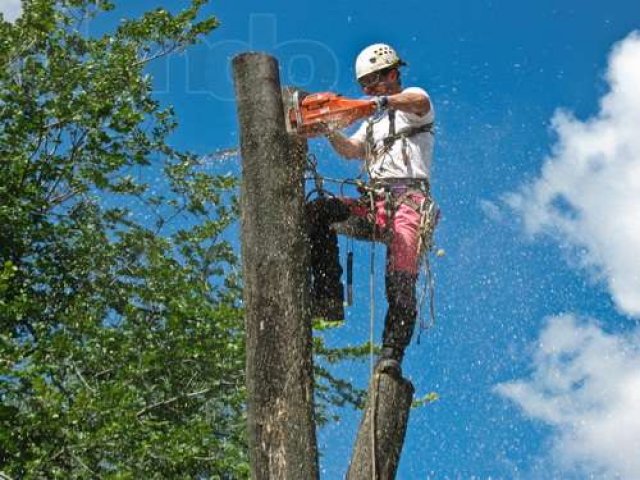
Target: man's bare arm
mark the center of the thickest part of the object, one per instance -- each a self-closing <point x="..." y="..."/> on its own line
<point x="346" y="147"/>
<point x="411" y="102"/>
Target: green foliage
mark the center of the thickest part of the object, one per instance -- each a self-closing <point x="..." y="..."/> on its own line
<point x="121" y="345"/>
<point x="121" y="335"/>
<point x="330" y="390"/>
<point x="425" y="400"/>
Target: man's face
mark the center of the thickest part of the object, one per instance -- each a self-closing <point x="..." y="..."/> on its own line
<point x="378" y="83"/>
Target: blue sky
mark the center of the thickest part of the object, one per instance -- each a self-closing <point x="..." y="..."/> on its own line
<point x="535" y="351"/>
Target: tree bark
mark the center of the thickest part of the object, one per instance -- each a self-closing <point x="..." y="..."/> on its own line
<point x="281" y="429"/>
<point x="389" y="405"/>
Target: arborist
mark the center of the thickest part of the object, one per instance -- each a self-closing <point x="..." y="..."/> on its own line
<point x="396" y="146"/>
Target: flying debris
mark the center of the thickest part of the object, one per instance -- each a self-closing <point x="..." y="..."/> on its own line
<point x="221" y="155"/>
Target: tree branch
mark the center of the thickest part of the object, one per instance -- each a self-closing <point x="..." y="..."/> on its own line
<point x="161" y="53"/>
<point x="82" y="464"/>
<point x="82" y="379"/>
<point x="171" y="400"/>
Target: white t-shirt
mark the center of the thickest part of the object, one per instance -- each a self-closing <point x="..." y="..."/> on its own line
<point x="415" y="162"/>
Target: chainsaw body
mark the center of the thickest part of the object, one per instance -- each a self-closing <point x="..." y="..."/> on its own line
<point x="318" y="113"/>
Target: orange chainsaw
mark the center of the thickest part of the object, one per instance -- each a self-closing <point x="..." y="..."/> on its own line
<point x="311" y="115"/>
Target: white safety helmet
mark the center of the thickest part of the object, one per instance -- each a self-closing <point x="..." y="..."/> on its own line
<point x="376" y="57"/>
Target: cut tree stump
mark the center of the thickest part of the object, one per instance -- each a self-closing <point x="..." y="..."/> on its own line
<point x="388" y="404"/>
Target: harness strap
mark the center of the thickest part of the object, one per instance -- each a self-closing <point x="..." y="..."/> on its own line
<point x="385" y="189"/>
<point x="405" y="188"/>
<point x="411" y="131"/>
<point x="392" y="137"/>
<point x="395" y="135"/>
<point x="392" y="125"/>
<point x="368" y="140"/>
<point x="415" y="183"/>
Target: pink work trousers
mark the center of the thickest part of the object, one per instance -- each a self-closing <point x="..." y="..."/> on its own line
<point x="401" y="233"/>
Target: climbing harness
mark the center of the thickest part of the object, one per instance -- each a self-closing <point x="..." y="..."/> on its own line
<point x="396" y="192"/>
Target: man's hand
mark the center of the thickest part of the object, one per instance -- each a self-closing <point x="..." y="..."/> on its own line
<point x="345" y="147"/>
<point x="381" y="103"/>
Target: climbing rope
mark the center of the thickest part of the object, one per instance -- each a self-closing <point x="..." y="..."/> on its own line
<point x="428" y="290"/>
<point x="372" y="375"/>
<point x="430" y="214"/>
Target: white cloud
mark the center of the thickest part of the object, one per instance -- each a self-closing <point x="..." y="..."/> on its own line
<point x="11" y="9"/>
<point x="586" y="384"/>
<point x="588" y="192"/>
<point x="492" y="210"/>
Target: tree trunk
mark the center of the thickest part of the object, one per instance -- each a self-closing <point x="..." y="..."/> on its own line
<point x="281" y="430"/>
<point x="389" y="404"/>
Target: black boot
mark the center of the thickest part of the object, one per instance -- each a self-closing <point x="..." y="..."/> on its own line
<point x="400" y="320"/>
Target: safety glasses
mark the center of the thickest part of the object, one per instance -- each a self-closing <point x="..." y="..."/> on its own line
<point x="371" y="79"/>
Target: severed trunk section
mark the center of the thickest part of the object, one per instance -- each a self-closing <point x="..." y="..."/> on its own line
<point x="388" y="407"/>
